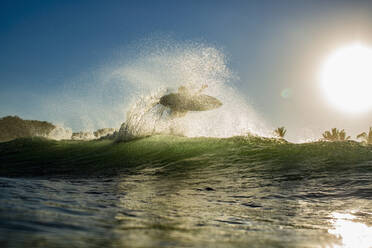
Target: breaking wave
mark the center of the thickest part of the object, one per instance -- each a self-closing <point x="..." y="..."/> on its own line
<point x="126" y="93"/>
<point x="163" y="69"/>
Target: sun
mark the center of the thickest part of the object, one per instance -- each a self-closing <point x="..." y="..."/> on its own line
<point x="346" y="78"/>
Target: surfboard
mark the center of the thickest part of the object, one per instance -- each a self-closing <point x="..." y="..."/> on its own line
<point x="183" y="102"/>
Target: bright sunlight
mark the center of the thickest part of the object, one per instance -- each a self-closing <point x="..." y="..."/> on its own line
<point x="346" y="78"/>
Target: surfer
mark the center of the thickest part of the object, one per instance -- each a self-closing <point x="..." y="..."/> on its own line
<point x="184" y="101"/>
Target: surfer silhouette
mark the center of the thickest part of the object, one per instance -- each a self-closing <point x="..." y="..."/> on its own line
<point x="185" y="100"/>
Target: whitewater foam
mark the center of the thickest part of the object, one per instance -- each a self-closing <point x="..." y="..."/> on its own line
<point x="60" y="133"/>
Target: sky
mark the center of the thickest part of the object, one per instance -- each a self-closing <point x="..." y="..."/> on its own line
<point x="275" y="47"/>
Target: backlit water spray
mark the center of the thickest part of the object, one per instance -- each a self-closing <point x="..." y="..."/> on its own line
<point x="128" y="89"/>
<point x="162" y="70"/>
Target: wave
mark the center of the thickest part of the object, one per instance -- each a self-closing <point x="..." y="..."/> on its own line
<point x="195" y="67"/>
<point x="38" y="157"/>
<point x="128" y="83"/>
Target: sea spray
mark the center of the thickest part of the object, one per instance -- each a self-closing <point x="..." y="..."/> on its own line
<point x="128" y="88"/>
<point x="60" y="133"/>
<point x="163" y="70"/>
<point x="145" y="118"/>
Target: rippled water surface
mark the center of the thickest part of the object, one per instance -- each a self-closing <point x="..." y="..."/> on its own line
<point x="179" y="192"/>
<point x="190" y="205"/>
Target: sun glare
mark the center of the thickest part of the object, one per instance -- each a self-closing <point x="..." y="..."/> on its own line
<point x="351" y="233"/>
<point x="346" y="78"/>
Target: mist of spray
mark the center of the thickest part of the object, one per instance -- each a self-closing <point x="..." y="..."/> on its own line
<point x="161" y="70"/>
<point x="128" y="88"/>
<point x="60" y="133"/>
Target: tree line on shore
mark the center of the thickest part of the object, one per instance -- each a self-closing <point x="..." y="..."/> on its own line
<point x="12" y="127"/>
<point x="333" y="135"/>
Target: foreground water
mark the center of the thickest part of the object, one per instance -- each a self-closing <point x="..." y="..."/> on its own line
<point x="255" y="194"/>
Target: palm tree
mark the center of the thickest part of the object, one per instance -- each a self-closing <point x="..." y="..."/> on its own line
<point x="366" y="138"/>
<point x="280" y="132"/>
<point x="335" y="135"/>
<point x="342" y="136"/>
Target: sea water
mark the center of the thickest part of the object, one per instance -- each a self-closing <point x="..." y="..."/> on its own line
<point x="245" y="197"/>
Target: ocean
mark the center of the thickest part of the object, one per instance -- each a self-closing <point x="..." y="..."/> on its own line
<point x="169" y="191"/>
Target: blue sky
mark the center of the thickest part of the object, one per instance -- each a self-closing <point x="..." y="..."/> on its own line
<point x="271" y="45"/>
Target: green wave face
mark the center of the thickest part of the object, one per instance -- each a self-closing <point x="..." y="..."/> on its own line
<point x="171" y="191"/>
<point x="37" y="156"/>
